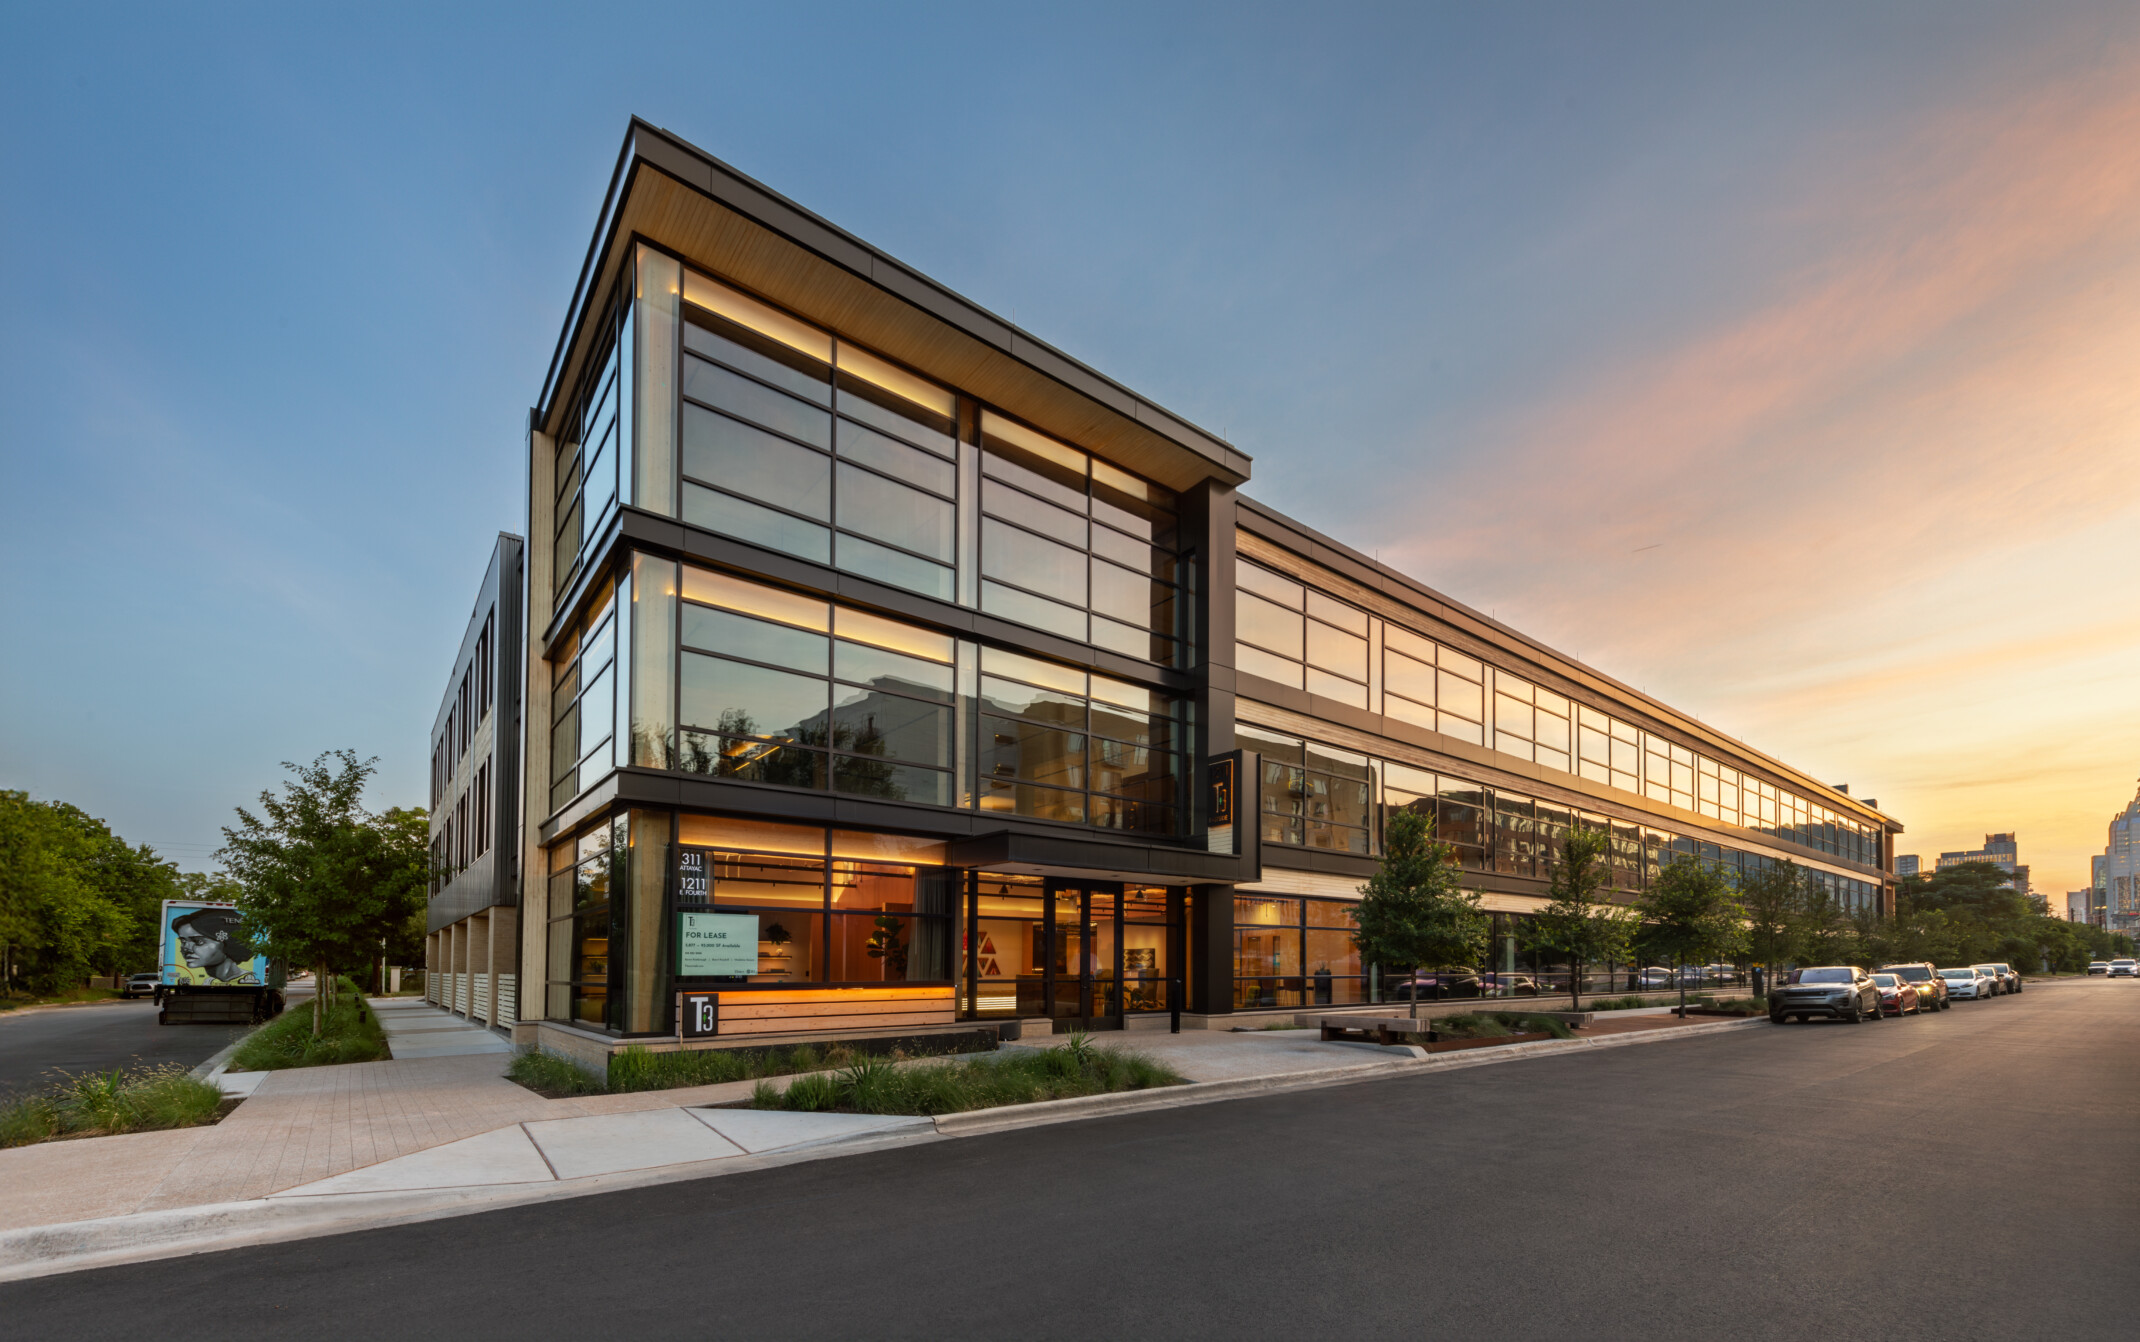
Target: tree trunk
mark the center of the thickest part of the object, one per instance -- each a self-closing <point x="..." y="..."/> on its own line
<point x="1682" y="963"/>
<point x="319" y="999"/>
<point x="1575" y="986"/>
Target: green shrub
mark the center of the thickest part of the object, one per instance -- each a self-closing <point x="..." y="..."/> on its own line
<point x="552" y="1077"/>
<point x="350" y="1032"/>
<point x="1617" y="1003"/>
<point x="146" y="1099"/>
<point x="876" y="1086"/>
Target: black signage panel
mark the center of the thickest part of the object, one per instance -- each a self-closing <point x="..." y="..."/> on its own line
<point x="698" y="1015"/>
<point x="694" y="883"/>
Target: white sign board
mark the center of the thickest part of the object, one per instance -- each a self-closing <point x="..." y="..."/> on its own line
<point x="716" y="945"/>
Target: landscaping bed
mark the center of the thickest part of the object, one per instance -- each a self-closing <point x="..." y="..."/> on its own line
<point x="1735" y="1007"/>
<point x="1475" y="1029"/>
<point x="349" y="1033"/>
<point x="637" y="1069"/>
<point x="144" y="1099"/>
<point x="873" y="1085"/>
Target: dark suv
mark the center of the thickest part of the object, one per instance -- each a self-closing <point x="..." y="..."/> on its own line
<point x="1841" y="992"/>
<point x="1930" y="986"/>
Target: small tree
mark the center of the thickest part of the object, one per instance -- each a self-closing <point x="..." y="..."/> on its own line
<point x="1770" y="899"/>
<point x="1414" y="910"/>
<point x="321" y="880"/>
<point x="1578" y="925"/>
<point x="1690" y="912"/>
<point x="1826" y="935"/>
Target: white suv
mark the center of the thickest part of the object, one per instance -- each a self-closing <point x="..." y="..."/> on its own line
<point x="2124" y="969"/>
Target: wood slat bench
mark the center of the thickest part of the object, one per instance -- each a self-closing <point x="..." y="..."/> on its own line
<point x="789" y="1011"/>
<point x="1375" y="1029"/>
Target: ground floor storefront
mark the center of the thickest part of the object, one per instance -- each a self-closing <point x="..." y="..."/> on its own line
<point x="667" y="928"/>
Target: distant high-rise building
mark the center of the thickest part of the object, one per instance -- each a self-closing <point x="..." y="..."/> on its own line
<point x="2119" y="874"/>
<point x="2002" y="851"/>
<point x="2080" y="906"/>
<point x="1906" y="864"/>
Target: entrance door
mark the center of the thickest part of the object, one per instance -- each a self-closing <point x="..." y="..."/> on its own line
<point x="1084" y="964"/>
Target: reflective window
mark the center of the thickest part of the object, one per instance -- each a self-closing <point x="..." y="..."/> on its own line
<point x="1061" y="744"/>
<point x="1075" y="546"/>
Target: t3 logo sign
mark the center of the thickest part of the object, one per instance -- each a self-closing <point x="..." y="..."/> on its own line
<point x="698" y="1015"/>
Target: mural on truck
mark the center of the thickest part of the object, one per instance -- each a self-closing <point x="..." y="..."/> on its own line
<point x="204" y="945"/>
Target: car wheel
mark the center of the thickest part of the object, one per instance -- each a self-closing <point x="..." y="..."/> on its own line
<point x="1856" y="1014"/>
<point x="1878" y="1012"/>
<point x="1775" y="1019"/>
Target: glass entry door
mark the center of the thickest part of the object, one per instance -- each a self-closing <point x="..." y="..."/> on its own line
<point x="1079" y="952"/>
<point x="1084" y="939"/>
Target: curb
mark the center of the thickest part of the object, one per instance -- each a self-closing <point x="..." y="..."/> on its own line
<point x="976" y="1121"/>
<point x="49" y="1250"/>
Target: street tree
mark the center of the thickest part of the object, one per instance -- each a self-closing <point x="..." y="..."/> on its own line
<point x="1691" y="913"/>
<point x="1413" y="912"/>
<point x="1580" y="925"/>
<point x="1771" y="901"/>
<point x="1826" y="935"/>
<point x="321" y="880"/>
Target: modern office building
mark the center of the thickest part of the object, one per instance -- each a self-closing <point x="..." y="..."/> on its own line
<point x="1906" y="864"/>
<point x="2002" y="851"/>
<point x="473" y="932"/>
<point x="888" y="670"/>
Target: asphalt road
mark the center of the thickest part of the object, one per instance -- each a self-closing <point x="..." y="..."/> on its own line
<point x="35" y="1043"/>
<point x="1968" y="1174"/>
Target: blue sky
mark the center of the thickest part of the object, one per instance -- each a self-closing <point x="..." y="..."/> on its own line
<point x="1779" y="362"/>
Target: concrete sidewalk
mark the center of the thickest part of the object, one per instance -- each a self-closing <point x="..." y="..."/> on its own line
<point x="328" y="1149"/>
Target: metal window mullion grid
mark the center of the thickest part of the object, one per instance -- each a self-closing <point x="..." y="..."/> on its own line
<point x="1088" y="791"/>
<point x="986" y="481"/>
<point x="830" y="681"/>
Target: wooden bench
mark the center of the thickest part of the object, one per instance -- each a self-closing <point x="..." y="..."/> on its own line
<point x="1375" y="1029"/>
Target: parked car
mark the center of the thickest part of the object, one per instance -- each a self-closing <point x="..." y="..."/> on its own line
<point x="141" y="985"/>
<point x="1930" y="985"/>
<point x="1839" y="992"/>
<point x="1998" y="981"/>
<point x="1898" y="996"/>
<point x="1967" y="983"/>
<point x="1509" y="985"/>
<point x="2125" y="969"/>
<point x="2099" y="966"/>
<point x="1434" y="984"/>
<point x="2009" y="976"/>
<point x="1655" y="976"/>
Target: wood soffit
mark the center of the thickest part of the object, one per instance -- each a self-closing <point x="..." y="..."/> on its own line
<point x="1268" y="536"/>
<point x="839" y="284"/>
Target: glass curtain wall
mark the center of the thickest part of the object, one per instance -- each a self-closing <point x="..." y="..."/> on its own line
<point x="1059" y="743"/>
<point x="739" y="679"/>
<point x="1289" y="632"/>
<point x="758" y="425"/>
<point x="1316" y="796"/>
<point x="1075" y="546"/>
<point x="1295" y="952"/>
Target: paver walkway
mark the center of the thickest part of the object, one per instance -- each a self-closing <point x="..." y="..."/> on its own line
<point x="442" y="1115"/>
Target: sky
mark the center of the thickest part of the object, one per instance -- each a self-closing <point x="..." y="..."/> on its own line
<point x="1783" y="362"/>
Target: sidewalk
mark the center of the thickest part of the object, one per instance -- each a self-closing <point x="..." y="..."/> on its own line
<point x="440" y="1131"/>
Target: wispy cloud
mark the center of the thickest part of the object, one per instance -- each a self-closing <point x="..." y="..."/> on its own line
<point x="1892" y="492"/>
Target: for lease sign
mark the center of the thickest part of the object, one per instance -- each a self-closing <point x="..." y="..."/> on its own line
<point x="716" y="945"/>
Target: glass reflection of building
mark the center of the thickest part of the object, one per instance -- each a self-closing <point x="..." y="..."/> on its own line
<point x="860" y="615"/>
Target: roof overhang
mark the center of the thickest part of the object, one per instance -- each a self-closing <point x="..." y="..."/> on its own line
<point x="683" y="199"/>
